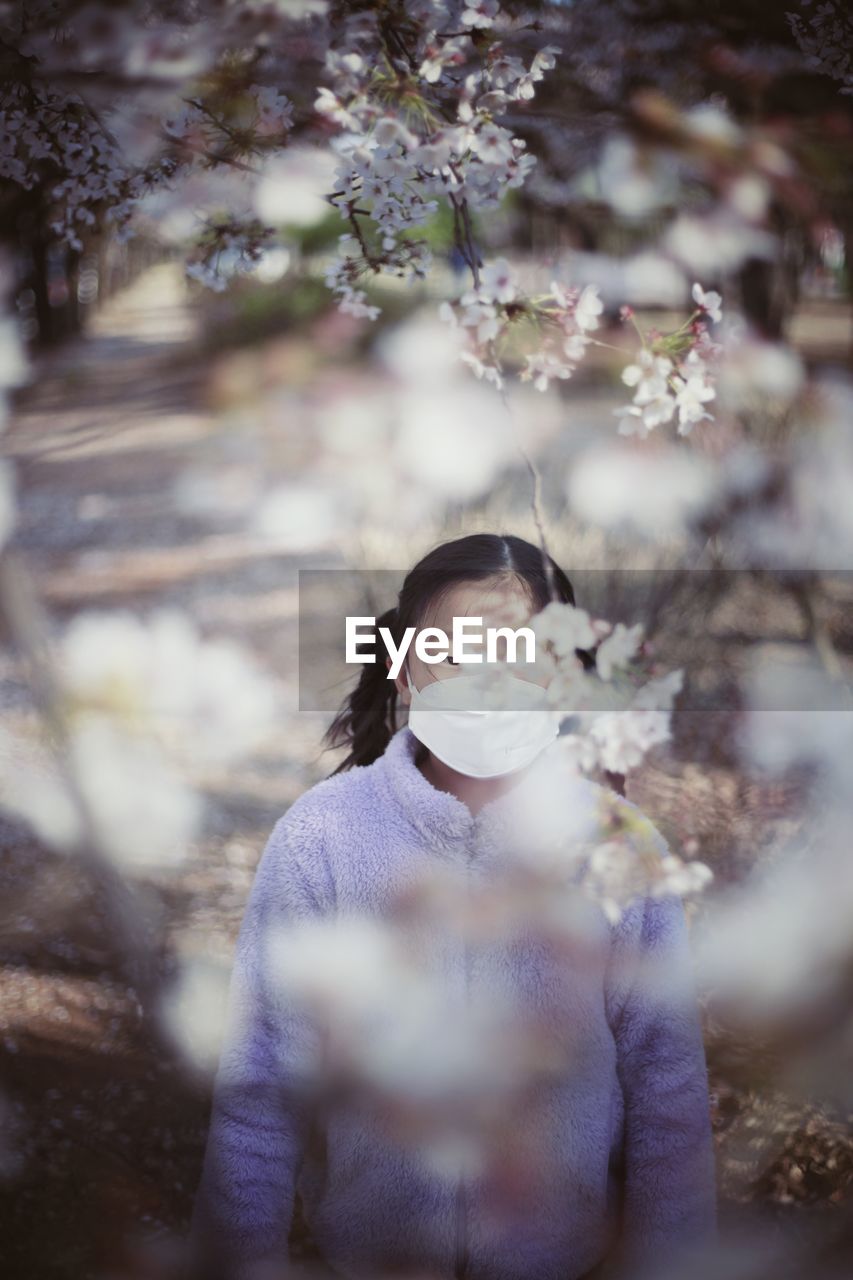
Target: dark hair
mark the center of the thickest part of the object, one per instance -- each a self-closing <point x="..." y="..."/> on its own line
<point x="367" y="719"/>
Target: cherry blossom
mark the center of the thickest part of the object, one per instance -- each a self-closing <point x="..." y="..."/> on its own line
<point x="653" y="401"/>
<point x="143" y="812"/>
<point x="494" y="317"/>
<point x="649" y="376"/>
<point x="617" y="649"/>
<point x="588" y="308"/>
<point x="396" y="169"/>
<point x="631" y="421"/>
<point x="498" y="281"/>
<point x="565" y="628"/>
<point x="419" y="124"/>
<point x="482" y="14"/>
<point x="616" y="740"/>
<point x="615" y="873"/>
<point x="691" y="395"/>
<point x="711" y="302"/>
<point x="162" y="677"/>
<point x="673" y="374"/>
<point x="623" y="738"/>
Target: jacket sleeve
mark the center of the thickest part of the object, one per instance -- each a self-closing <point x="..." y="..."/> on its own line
<point x="260" y="1113"/>
<point x="669" y="1177"/>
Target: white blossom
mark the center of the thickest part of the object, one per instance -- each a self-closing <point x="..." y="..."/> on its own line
<point x="206" y="698"/>
<point x="588" y="308"/>
<point x="389" y="1017"/>
<point x="497" y="281"/>
<point x="711" y="302"/>
<point x="564" y="627"/>
<point x="144" y="814"/>
<point x="664" y="385"/>
<point x="648" y="375"/>
<point x="623" y="738"/>
<point x="395" y="172"/>
<point x="692" y="392"/>
<point x="617" y="649"/>
<point x="194" y="1010"/>
<point x="480" y="14"/>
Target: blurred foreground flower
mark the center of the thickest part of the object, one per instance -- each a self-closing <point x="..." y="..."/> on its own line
<point x="203" y="699"/>
<point x="779" y="947"/>
<point x="194" y="1010"/>
<point x="443" y="1067"/>
<point x="142" y="705"/>
<point x="656" y="494"/>
<point x="143" y="814"/>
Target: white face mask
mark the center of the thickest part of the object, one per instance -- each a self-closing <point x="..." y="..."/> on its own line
<point x="482" y="742"/>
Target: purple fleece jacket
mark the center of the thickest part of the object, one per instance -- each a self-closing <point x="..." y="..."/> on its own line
<point x="628" y="1131"/>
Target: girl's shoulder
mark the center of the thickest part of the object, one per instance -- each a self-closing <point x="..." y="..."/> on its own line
<point x="332" y="798"/>
<point x="308" y="835"/>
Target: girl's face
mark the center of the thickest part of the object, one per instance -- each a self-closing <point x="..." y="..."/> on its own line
<point x="500" y="602"/>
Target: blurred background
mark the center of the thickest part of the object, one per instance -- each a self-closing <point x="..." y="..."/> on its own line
<point x="192" y="420"/>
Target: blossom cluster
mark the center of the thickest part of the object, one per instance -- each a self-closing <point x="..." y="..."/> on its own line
<point x="494" y="313"/>
<point x="159" y="676"/>
<point x="618" y="720"/>
<point x="421" y="126"/>
<point x="637" y="865"/>
<point x="612" y="714"/>
<point x="97" y="156"/>
<point x="60" y="137"/>
<point x="420" y="112"/>
<point x="673" y="375"/>
<point x="226" y="246"/>
<point x="140" y="697"/>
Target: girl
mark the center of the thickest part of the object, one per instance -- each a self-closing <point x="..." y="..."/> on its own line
<point x="630" y="1174"/>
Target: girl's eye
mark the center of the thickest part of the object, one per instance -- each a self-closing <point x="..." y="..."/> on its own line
<point x="450" y="660"/>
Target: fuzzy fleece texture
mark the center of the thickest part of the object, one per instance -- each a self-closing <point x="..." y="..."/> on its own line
<point x="627" y="1167"/>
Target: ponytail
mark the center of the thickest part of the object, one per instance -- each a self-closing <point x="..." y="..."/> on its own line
<point x="367" y="720"/>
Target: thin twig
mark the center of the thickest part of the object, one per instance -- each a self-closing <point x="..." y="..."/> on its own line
<point x="535" y="502"/>
<point x="217" y="157"/>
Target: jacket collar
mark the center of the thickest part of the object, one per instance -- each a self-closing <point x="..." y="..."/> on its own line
<point x="444" y="820"/>
<point x="437" y="815"/>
